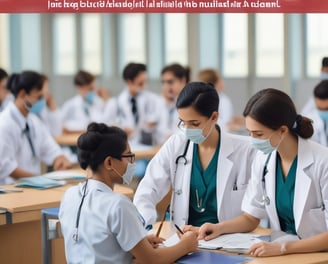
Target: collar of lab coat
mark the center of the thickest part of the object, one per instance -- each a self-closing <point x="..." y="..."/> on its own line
<point x="94" y="185"/>
<point x="17" y="116"/>
<point x="302" y="184"/>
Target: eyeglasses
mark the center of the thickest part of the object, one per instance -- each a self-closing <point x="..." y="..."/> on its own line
<point x="182" y="124"/>
<point x="132" y="157"/>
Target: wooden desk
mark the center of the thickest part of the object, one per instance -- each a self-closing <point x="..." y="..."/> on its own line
<point x="20" y="226"/>
<point x="306" y="258"/>
<point x="141" y="153"/>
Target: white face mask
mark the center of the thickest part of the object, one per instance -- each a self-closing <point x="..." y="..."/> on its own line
<point x="129" y="173"/>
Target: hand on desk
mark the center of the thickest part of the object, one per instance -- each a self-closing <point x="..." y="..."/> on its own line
<point x="155" y="241"/>
<point x="207" y="231"/>
<point x="62" y="163"/>
<point x="265" y="249"/>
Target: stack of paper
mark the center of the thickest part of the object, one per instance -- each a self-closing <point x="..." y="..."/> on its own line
<point x="39" y="182"/>
<point x="64" y="175"/>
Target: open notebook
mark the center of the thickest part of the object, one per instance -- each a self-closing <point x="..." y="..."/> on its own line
<point x="238" y="242"/>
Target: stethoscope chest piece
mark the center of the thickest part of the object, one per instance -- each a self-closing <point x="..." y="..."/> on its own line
<point x="266" y="200"/>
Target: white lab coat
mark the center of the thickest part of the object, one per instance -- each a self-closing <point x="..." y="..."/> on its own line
<point x="9" y="98"/>
<point x="52" y="120"/>
<point x="118" y="112"/>
<point x="109" y="225"/>
<point x="74" y="115"/>
<point x="15" y="151"/>
<point x="311" y="190"/>
<point x="319" y="135"/>
<point x="234" y="167"/>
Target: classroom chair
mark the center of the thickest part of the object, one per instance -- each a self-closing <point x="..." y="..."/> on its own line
<point x="49" y="231"/>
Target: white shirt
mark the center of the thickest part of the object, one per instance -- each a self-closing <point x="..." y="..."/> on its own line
<point x="233" y="172"/>
<point x="15" y="150"/>
<point x="9" y="98"/>
<point x="320" y="129"/>
<point x="109" y="225"/>
<point x="311" y="190"/>
<point x="118" y="111"/>
<point x="77" y="113"/>
<point x="52" y="120"/>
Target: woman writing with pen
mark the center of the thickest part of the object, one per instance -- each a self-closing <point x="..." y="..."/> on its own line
<point x="100" y="226"/>
<point x="289" y="181"/>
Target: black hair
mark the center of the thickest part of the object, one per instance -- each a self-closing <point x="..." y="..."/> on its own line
<point x="201" y="96"/>
<point x="99" y="142"/>
<point x="132" y="70"/>
<point x="324" y="62"/>
<point x="274" y="108"/>
<point x="178" y="71"/>
<point x="27" y="81"/>
<point x="3" y="74"/>
<point x="82" y="78"/>
<point x="321" y="90"/>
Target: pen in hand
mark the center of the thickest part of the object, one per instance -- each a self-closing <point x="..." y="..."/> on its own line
<point x="179" y="229"/>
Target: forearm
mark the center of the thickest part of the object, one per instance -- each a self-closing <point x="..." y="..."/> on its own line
<point x="20" y="173"/>
<point x="312" y="244"/>
<point x="241" y="224"/>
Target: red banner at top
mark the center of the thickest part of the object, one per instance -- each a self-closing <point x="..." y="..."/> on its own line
<point x="164" y="6"/>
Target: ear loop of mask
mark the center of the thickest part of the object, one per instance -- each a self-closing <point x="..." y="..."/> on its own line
<point x="76" y="235"/>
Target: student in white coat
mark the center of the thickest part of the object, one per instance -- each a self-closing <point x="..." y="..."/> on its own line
<point x="173" y="78"/>
<point x="136" y="109"/>
<point x="25" y="141"/>
<point x="5" y="95"/>
<point x="319" y="114"/>
<point x="100" y="226"/>
<point x="208" y="169"/>
<point x="83" y="108"/>
<point x="225" y="107"/>
<point x="289" y="181"/>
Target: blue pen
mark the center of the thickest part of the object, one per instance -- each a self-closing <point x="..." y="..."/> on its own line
<point x="179" y="229"/>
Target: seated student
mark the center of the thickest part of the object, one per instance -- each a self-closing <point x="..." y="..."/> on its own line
<point x="319" y="115"/>
<point x="173" y="78"/>
<point x="47" y="110"/>
<point x="83" y="108"/>
<point x="310" y="104"/>
<point x="5" y="95"/>
<point x="289" y="181"/>
<point x="25" y="141"/>
<point x="100" y="226"/>
<point x="207" y="168"/>
<point x="135" y="109"/>
<point x="226" y="107"/>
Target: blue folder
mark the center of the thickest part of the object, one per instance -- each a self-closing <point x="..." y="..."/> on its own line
<point x="207" y="257"/>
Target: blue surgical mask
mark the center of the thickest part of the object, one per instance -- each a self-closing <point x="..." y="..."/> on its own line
<point x="38" y="106"/>
<point x="324" y="76"/>
<point x="263" y="145"/>
<point x="323" y="115"/>
<point x="90" y="97"/>
<point x="194" y="134"/>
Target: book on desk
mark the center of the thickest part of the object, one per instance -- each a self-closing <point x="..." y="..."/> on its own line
<point x="209" y="257"/>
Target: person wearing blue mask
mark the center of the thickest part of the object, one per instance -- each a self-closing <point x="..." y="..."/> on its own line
<point x="310" y="104"/>
<point x="207" y="168"/>
<point x="289" y="183"/>
<point x="25" y="141"/>
<point x="100" y="226"/>
<point x="319" y="114"/>
<point x="85" y="107"/>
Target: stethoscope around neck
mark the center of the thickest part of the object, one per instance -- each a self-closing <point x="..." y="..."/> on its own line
<point x="265" y="197"/>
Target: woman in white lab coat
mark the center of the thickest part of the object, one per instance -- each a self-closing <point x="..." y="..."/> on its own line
<point x="100" y="226"/>
<point x="209" y="175"/>
<point x="25" y="141"/>
<point x="289" y="181"/>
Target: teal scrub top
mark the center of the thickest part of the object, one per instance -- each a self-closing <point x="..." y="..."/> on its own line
<point x="285" y="189"/>
<point x="202" y="201"/>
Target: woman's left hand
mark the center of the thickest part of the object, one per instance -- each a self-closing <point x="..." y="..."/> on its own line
<point x="154" y="240"/>
<point x="265" y="249"/>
